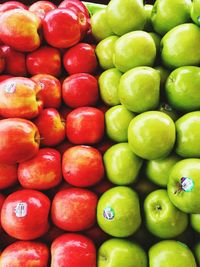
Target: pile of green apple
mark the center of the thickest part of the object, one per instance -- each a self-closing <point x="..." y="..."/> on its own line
<point x="150" y="81"/>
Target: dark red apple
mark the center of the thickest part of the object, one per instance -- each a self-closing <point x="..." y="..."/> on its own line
<point x="2" y="61"/>
<point x="4" y="77"/>
<point x="41" y="8"/>
<point x="8" y="175"/>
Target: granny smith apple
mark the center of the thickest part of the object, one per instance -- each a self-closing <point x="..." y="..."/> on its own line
<point x="182" y="88"/>
<point x="171" y="253"/>
<point x="167" y="14"/>
<point x="158" y="170"/>
<point x="188" y="137"/>
<point x="108" y="86"/>
<point x="104" y="51"/>
<point x="125" y="15"/>
<point x="133" y="49"/>
<point x="117" y="252"/>
<point x="151" y="135"/>
<point x="195" y="222"/>
<point x="118" y="211"/>
<point x="162" y="218"/>
<point x="121" y="164"/>
<point x="195" y="12"/>
<point x="117" y="120"/>
<point x="180" y="46"/>
<point x="197" y="252"/>
<point x="139" y="89"/>
<point x="184" y="185"/>
<point x="167" y="109"/>
<point x="148" y="25"/>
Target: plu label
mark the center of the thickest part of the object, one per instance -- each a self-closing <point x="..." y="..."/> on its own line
<point x="187" y="184"/>
<point x="10" y="88"/>
<point x="21" y="209"/>
<point x="108" y="213"/>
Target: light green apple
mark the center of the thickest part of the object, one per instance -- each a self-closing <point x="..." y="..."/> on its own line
<point x="188" y="137"/>
<point x="180" y="46"/>
<point x="195" y="222"/>
<point x="93" y="8"/>
<point x="151" y="135"/>
<point x="125" y="15"/>
<point x="104" y="51"/>
<point x="118" y="211"/>
<point x="108" y="86"/>
<point x="167" y="14"/>
<point x="182" y="88"/>
<point x="121" y="164"/>
<point x="171" y="253"/>
<point x="197" y="252"/>
<point x="148" y="25"/>
<point x="162" y="218"/>
<point x="117" y="252"/>
<point x="195" y="11"/>
<point x="139" y="89"/>
<point x="158" y="170"/>
<point x="184" y="185"/>
<point x="167" y="109"/>
<point x="134" y="49"/>
<point x="117" y="120"/>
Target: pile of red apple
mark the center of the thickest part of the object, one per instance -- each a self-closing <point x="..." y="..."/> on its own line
<point x="99" y="138"/>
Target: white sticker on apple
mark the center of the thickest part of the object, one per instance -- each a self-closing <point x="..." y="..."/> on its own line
<point x="21" y="209"/>
<point x="187" y="184"/>
<point x="108" y="213"/>
<point x="10" y="88"/>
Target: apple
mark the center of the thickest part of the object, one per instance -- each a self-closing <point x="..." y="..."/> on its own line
<point x="11" y="5"/>
<point x="73" y="250"/>
<point x="25" y="253"/>
<point x="82" y="166"/>
<point x="79" y="90"/>
<point x="121" y="164"/>
<point x="2" y="198"/>
<point x="139" y="89"/>
<point x="74" y="209"/>
<point x="117" y="252"/>
<point x="171" y="253"/>
<point x="195" y="222"/>
<point x="36" y="61"/>
<point x="162" y="218"/>
<point x="183" y="185"/>
<point x="148" y="24"/>
<point x="8" y="175"/>
<point x="140" y="50"/>
<point x="195" y="11"/>
<point x="151" y="135"/>
<point x="180" y="41"/>
<point x="85" y="125"/>
<point x="2" y="60"/>
<point x="41" y="8"/>
<point x="118" y="211"/>
<point x="4" y="77"/>
<point x="197" y="252"/>
<point x="24" y="37"/>
<point x="20" y="140"/>
<point x="24" y="214"/>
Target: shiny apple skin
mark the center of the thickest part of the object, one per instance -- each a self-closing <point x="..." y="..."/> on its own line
<point x="41" y="8"/>
<point x="8" y="175"/>
<point x="11" y="5"/>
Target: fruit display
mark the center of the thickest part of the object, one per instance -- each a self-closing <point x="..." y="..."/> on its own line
<point x="99" y="133"/>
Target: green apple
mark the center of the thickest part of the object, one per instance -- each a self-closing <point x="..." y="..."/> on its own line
<point x="104" y="51"/>
<point x="182" y="88"/>
<point x="99" y="25"/>
<point x="93" y="8"/>
<point x="117" y="120"/>
<point x="139" y="89"/>
<point x="167" y="14"/>
<point x="125" y="15"/>
<point x="148" y="25"/>
<point x="117" y="252"/>
<point x="162" y="218"/>
<point x="134" y="49"/>
<point x="171" y="253"/>
<point x="151" y="135"/>
<point x="108" y="86"/>
<point x="188" y="138"/>
<point x="118" y="211"/>
<point x="195" y="12"/>
<point x="158" y="170"/>
<point x="121" y="164"/>
<point x="167" y="109"/>
<point x="195" y="222"/>
<point x="197" y="253"/>
<point x="184" y="185"/>
<point x="180" y="46"/>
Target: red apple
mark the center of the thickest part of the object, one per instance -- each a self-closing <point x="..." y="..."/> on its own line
<point x="8" y="175"/>
<point x="74" y="209"/>
<point x="4" y="77"/>
<point x="61" y="28"/>
<point x="85" y="125"/>
<point x="18" y="29"/>
<point x="2" y="61"/>
<point x="24" y="214"/>
<point x="19" y="98"/>
<point x="73" y="250"/>
<point x="2" y="198"/>
<point x="41" y="8"/>
<point x="51" y="127"/>
<point x="80" y="58"/>
<point x="11" y="5"/>
<point x="41" y="172"/>
<point x="25" y="254"/>
<point x="79" y="90"/>
<point x="19" y="140"/>
<point x="82" y="166"/>
<point x="45" y="60"/>
<point x="50" y="90"/>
